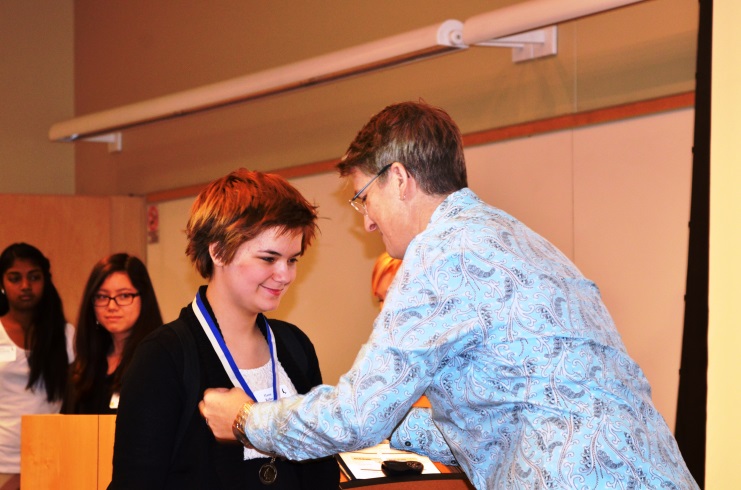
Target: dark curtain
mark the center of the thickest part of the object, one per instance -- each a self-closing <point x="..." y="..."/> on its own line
<point x="692" y="399"/>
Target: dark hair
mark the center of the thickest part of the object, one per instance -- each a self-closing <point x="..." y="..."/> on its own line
<point x="93" y="343"/>
<point x="46" y="340"/>
<point x="238" y="207"/>
<point x="421" y="137"/>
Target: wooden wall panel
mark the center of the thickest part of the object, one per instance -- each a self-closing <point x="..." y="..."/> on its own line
<point x="129" y="234"/>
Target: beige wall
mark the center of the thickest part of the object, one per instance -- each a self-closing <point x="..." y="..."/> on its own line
<point x="35" y="91"/>
<point x="724" y="391"/>
<point x="130" y="51"/>
<point x="613" y="197"/>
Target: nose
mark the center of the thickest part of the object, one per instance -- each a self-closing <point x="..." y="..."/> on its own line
<point x="25" y="283"/>
<point x="283" y="273"/>
<point x="369" y="224"/>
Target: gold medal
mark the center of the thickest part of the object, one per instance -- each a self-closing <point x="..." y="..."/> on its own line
<point x="268" y="472"/>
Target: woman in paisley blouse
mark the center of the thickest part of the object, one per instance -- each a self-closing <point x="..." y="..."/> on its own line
<point x="529" y="383"/>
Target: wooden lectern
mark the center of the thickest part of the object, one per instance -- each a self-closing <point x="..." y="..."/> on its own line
<point x="75" y="452"/>
<point x="67" y="451"/>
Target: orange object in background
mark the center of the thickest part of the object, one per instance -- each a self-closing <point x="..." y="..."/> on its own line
<point x="423" y="402"/>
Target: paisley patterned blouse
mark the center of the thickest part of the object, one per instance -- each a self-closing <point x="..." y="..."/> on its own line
<point x="529" y="382"/>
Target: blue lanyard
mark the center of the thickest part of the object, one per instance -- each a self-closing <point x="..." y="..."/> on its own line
<point x="227" y="356"/>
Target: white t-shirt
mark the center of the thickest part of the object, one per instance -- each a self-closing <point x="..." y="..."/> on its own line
<point x="16" y="400"/>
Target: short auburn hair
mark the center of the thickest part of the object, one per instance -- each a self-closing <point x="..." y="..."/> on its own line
<point x="238" y="207"/>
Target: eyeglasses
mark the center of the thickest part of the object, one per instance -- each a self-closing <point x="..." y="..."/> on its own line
<point x="123" y="299"/>
<point x="359" y="204"/>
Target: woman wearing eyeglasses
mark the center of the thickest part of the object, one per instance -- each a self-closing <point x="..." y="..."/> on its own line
<point x="119" y="308"/>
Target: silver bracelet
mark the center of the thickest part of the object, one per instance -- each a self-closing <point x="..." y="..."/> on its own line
<point x="238" y="424"/>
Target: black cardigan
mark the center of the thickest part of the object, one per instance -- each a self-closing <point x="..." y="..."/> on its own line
<point x="150" y="408"/>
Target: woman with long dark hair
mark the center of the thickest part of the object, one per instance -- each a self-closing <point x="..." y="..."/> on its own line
<point x="35" y="349"/>
<point x="119" y="308"/>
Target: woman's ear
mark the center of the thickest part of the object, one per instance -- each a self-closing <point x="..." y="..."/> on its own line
<point x="215" y="258"/>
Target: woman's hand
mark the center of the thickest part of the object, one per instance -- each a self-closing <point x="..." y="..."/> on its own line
<point x="220" y="407"/>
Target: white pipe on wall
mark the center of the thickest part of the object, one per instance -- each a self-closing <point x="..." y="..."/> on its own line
<point x="534" y="14"/>
<point x="391" y="51"/>
<point x="449" y="36"/>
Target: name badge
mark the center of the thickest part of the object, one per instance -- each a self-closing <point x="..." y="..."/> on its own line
<point x="8" y="353"/>
<point x="263" y="395"/>
<point x="114" y="402"/>
<point x="266" y="395"/>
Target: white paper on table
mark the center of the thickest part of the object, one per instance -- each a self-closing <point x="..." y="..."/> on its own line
<point x="366" y="463"/>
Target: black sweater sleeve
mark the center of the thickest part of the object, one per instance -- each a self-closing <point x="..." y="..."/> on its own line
<point x="145" y="437"/>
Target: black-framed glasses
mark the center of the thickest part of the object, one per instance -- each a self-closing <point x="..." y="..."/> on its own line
<point x="359" y="204"/>
<point x="123" y="299"/>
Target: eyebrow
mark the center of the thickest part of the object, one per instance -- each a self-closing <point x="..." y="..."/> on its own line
<point x="273" y="252"/>
<point x="30" y="271"/>
<point x="125" y="289"/>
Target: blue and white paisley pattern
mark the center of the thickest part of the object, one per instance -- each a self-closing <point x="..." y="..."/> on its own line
<point x="529" y="381"/>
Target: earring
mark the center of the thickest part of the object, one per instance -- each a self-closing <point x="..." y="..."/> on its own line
<point x="2" y="291"/>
